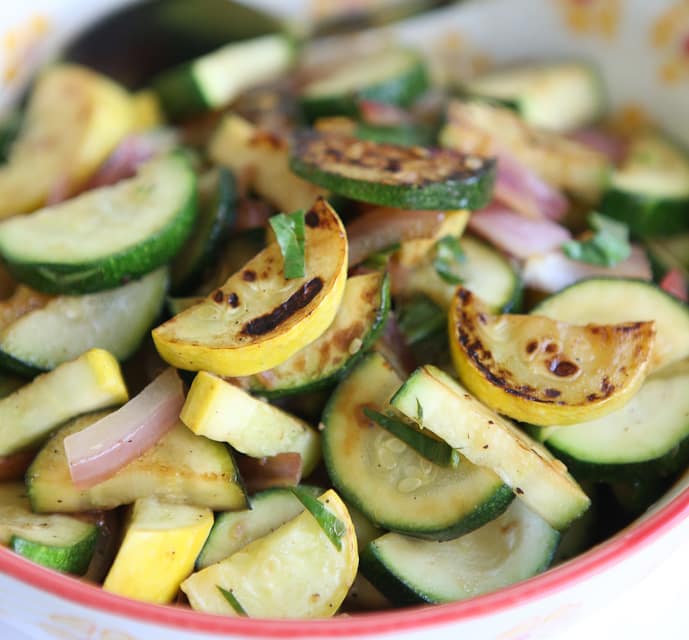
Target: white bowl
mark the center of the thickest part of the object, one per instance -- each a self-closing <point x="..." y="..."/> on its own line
<point x="642" y="49"/>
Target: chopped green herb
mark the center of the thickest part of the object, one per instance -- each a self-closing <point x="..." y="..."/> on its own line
<point x="449" y="257"/>
<point x="232" y="599"/>
<point x="432" y="449"/>
<point x="332" y="526"/>
<point x="290" y="234"/>
<point x="420" y="318"/>
<point x="419" y="411"/>
<point x="380" y="259"/>
<point x="608" y="246"/>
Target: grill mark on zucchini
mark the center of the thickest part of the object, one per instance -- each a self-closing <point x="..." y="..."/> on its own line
<point x="272" y="320"/>
<point x="394" y="164"/>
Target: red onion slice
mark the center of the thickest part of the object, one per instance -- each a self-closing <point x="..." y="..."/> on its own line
<point x="610" y="145"/>
<point x="102" y="449"/>
<point x="675" y="284"/>
<point x="522" y="190"/>
<point x="381" y="227"/>
<point x="553" y="271"/>
<point x="514" y="234"/>
<point x="281" y="470"/>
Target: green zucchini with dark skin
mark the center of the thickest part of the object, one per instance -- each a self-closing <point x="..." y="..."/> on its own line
<point x="217" y="196"/>
<point x="516" y="545"/>
<point x="393" y="76"/>
<point x="61" y="542"/>
<point x="105" y="237"/>
<point x="407" y="177"/>
<point x="388" y="481"/>
<point x="650" y="191"/>
<point x="620" y="447"/>
<point x="181" y="468"/>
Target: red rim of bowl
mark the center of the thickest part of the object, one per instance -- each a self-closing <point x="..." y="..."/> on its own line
<point x="598" y="559"/>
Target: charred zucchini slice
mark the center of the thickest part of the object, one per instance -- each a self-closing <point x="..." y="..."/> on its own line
<point x="391" y="175"/>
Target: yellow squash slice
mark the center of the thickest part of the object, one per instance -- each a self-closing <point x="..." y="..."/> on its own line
<point x="537" y="370"/>
<point x="159" y="549"/>
<point x="258" y="319"/>
<point x="294" y="572"/>
<point x="262" y="159"/>
<point x="74" y="120"/>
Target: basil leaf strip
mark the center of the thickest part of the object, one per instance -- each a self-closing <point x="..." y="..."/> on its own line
<point x="290" y="235"/>
<point x="332" y="526"/>
<point x="232" y="599"/>
<point x="448" y="258"/>
<point x="608" y="246"/>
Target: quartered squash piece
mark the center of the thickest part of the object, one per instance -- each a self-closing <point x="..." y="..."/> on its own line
<point x="74" y="120"/>
<point x="258" y="319"/>
<point x="541" y="371"/>
<point x="262" y="158"/>
<point x="297" y="571"/>
<point x="486" y="129"/>
<point x="220" y="411"/>
<point x="158" y="551"/>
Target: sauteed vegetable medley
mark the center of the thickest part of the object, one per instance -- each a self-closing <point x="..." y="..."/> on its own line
<point x="284" y="339"/>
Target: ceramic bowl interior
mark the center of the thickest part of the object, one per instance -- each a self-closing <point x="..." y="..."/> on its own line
<point x="642" y="50"/>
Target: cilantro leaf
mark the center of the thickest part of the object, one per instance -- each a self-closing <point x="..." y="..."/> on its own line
<point x="290" y="235"/>
<point x="608" y="246"/>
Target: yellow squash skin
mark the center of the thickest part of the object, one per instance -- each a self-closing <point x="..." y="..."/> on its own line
<point x="258" y="319"/>
<point x="74" y="120"/>
<point x="537" y="370"/>
<point x="159" y="549"/>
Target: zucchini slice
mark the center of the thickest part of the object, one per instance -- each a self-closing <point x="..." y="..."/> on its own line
<point x="650" y="191"/>
<point x="412" y="495"/>
<point x="515" y="546"/>
<point x="480" y="128"/>
<point x="390" y="175"/>
<point x="158" y="550"/>
<point x="258" y="319"/>
<point x="220" y="411"/>
<point x="484" y="271"/>
<point x="107" y="236"/>
<point x="74" y="120"/>
<point x="116" y="320"/>
<point x="559" y="96"/>
<point x="646" y="438"/>
<point x="356" y="327"/>
<point x="60" y="542"/>
<point x="263" y="158"/>
<point x="181" y="468"/>
<point x="612" y="301"/>
<point x="233" y="530"/>
<point x="278" y="574"/>
<point x="28" y="415"/>
<point x="536" y="369"/>
<point x="216" y="79"/>
<point x="396" y="76"/>
<point x="216" y="211"/>
<point x="435" y="401"/>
